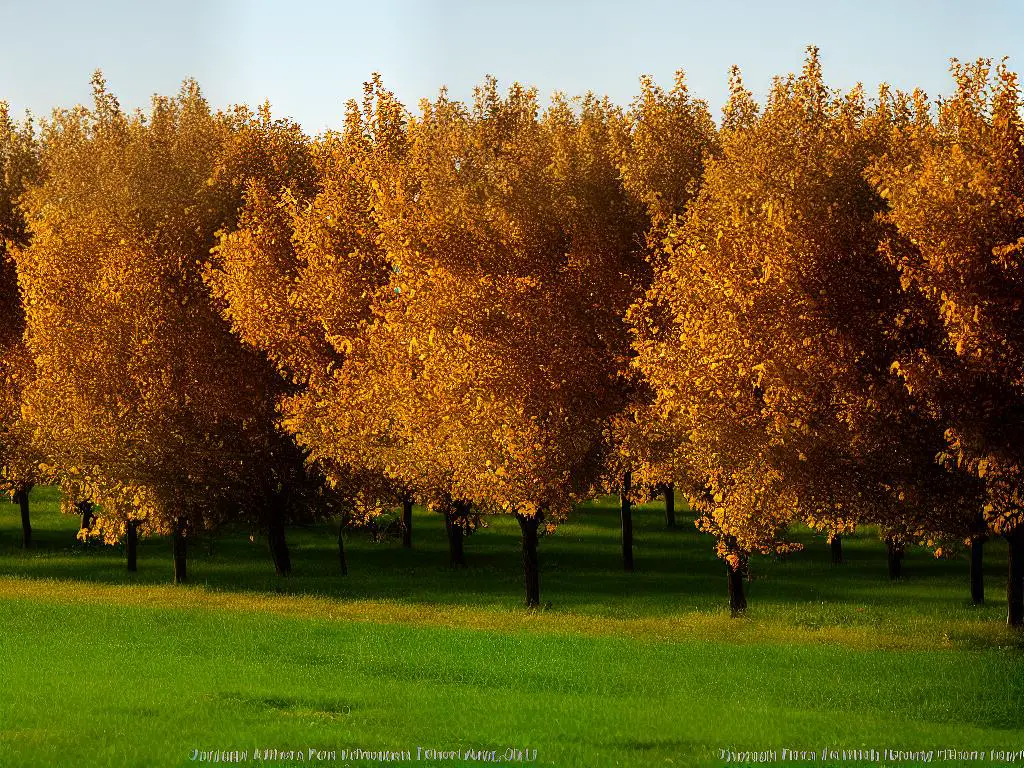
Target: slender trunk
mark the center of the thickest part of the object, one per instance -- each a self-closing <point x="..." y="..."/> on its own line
<point x="179" y="552"/>
<point x="894" y="554"/>
<point x="627" y="522"/>
<point x="342" y="560"/>
<point x="737" y="597"/>
<point x="278" y="543"/>
<point x="26" y="522"/>
<point x="977" y="570"/>
<point x="407" y="523"/>
<point x="85" y="507"/>
<point x="670" y="505"/>
<point x="1015" y="578"/>
<point x="131" y="542"/>
<point x="453" y="519"/>
<point x="837" y="550"/>
<point x="531" y="568"/>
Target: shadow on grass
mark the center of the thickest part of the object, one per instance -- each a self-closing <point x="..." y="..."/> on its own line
<point x="580" y="566"/>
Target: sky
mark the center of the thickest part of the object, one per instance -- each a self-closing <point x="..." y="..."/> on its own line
<point x="309" y="58"/>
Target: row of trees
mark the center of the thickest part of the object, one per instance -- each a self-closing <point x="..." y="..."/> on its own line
<point x="809" y="312"/>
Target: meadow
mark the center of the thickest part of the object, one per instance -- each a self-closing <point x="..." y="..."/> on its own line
<point x="102" y="667"/>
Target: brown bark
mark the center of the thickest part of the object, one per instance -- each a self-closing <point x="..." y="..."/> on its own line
<point x="837" y="550"/>
<point x="278" y="543"/>
<point x="85" y="508"/>
<point x="531" y="567"/>
<point x="737" y="597"/>
<point x="342" y="560"/>
<point x="670" y="505"/>
<point x="131" y="542"/>
<point x="894" y="556"/>
<point x="26" y="521"/>
<point x="453" y="521"/>
<point x="407" y="523"/>
<point x="977" y="570"/>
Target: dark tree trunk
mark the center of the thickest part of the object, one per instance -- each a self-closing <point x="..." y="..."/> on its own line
<point x="531" y="568"/>
<point x="977" y="570"/>
<point x="670" y="505"/>
<point x="453" y="520"/>
<point x="894" y="552"/>
<point x="85" y="507"/>
<point x="26" y="521"/>
<point x="837" y="550"/>
<point x="278" y="543"/>
<point x="627" y="522"/>
<point x="737" y="598"/>
<point x="131" y="545"/>
<point x="179" y="552"/>
<point x="342" y="560"/>
<point x="1015" y="578"/>
<point x="407" y="523"/>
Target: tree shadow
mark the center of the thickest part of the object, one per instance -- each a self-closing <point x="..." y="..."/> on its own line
<point x="581" y="566"/>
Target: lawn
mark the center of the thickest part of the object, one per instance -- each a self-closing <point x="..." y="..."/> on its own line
<point x="103" y="667"/>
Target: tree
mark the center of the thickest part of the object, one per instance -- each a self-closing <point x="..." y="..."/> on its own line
<point x="662" y="156"/>
<point x="512" y="243"/>
<point x="19" y="458"/>
<point x="298" y="277"/>
<point x="668" y="138"/>
<point x="765" y="334"/>
<point x="143" y="401"/>
<point x="642" y="455"/>
<point x="444" y="302"/>
<point x="955" y="187"/>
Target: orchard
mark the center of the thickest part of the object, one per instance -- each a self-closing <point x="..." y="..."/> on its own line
<point x="807" y="313"/>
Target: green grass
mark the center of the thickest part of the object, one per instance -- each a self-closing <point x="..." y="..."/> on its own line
<point x="102" y="667"/>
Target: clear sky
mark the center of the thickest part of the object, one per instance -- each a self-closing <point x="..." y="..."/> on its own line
<point x="310" y="57"/>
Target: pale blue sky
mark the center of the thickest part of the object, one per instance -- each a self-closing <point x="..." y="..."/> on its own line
<point x="309" y="58"/>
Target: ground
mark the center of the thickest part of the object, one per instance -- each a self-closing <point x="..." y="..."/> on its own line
<point x="100" y="667"/>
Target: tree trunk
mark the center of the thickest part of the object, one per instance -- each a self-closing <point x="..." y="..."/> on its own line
<point x="453" y="526"/>
<point x="977" y="570"/>
<point x="894" y="553"/>
<point x="531" y="568"/>
<point x="407" y="523"/>
<point x="670" y="505"/>
<point x="737" y="598"/>
<point x="26" y="521"/>
<point x="278" y="543"/>
<point x="131" y="542"/>
<point x="837" y="550"/>
<point x="85" y="507"/>
<point x="342" y="560"/>
<point x="1015" y="578"/>
<point x="627" y="522"/>
<point x="179" y="552"/>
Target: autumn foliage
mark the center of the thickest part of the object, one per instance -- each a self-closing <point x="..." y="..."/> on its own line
<point x="807" y="313"/>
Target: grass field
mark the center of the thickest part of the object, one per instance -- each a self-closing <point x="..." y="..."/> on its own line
<point x="102" y="667"/>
